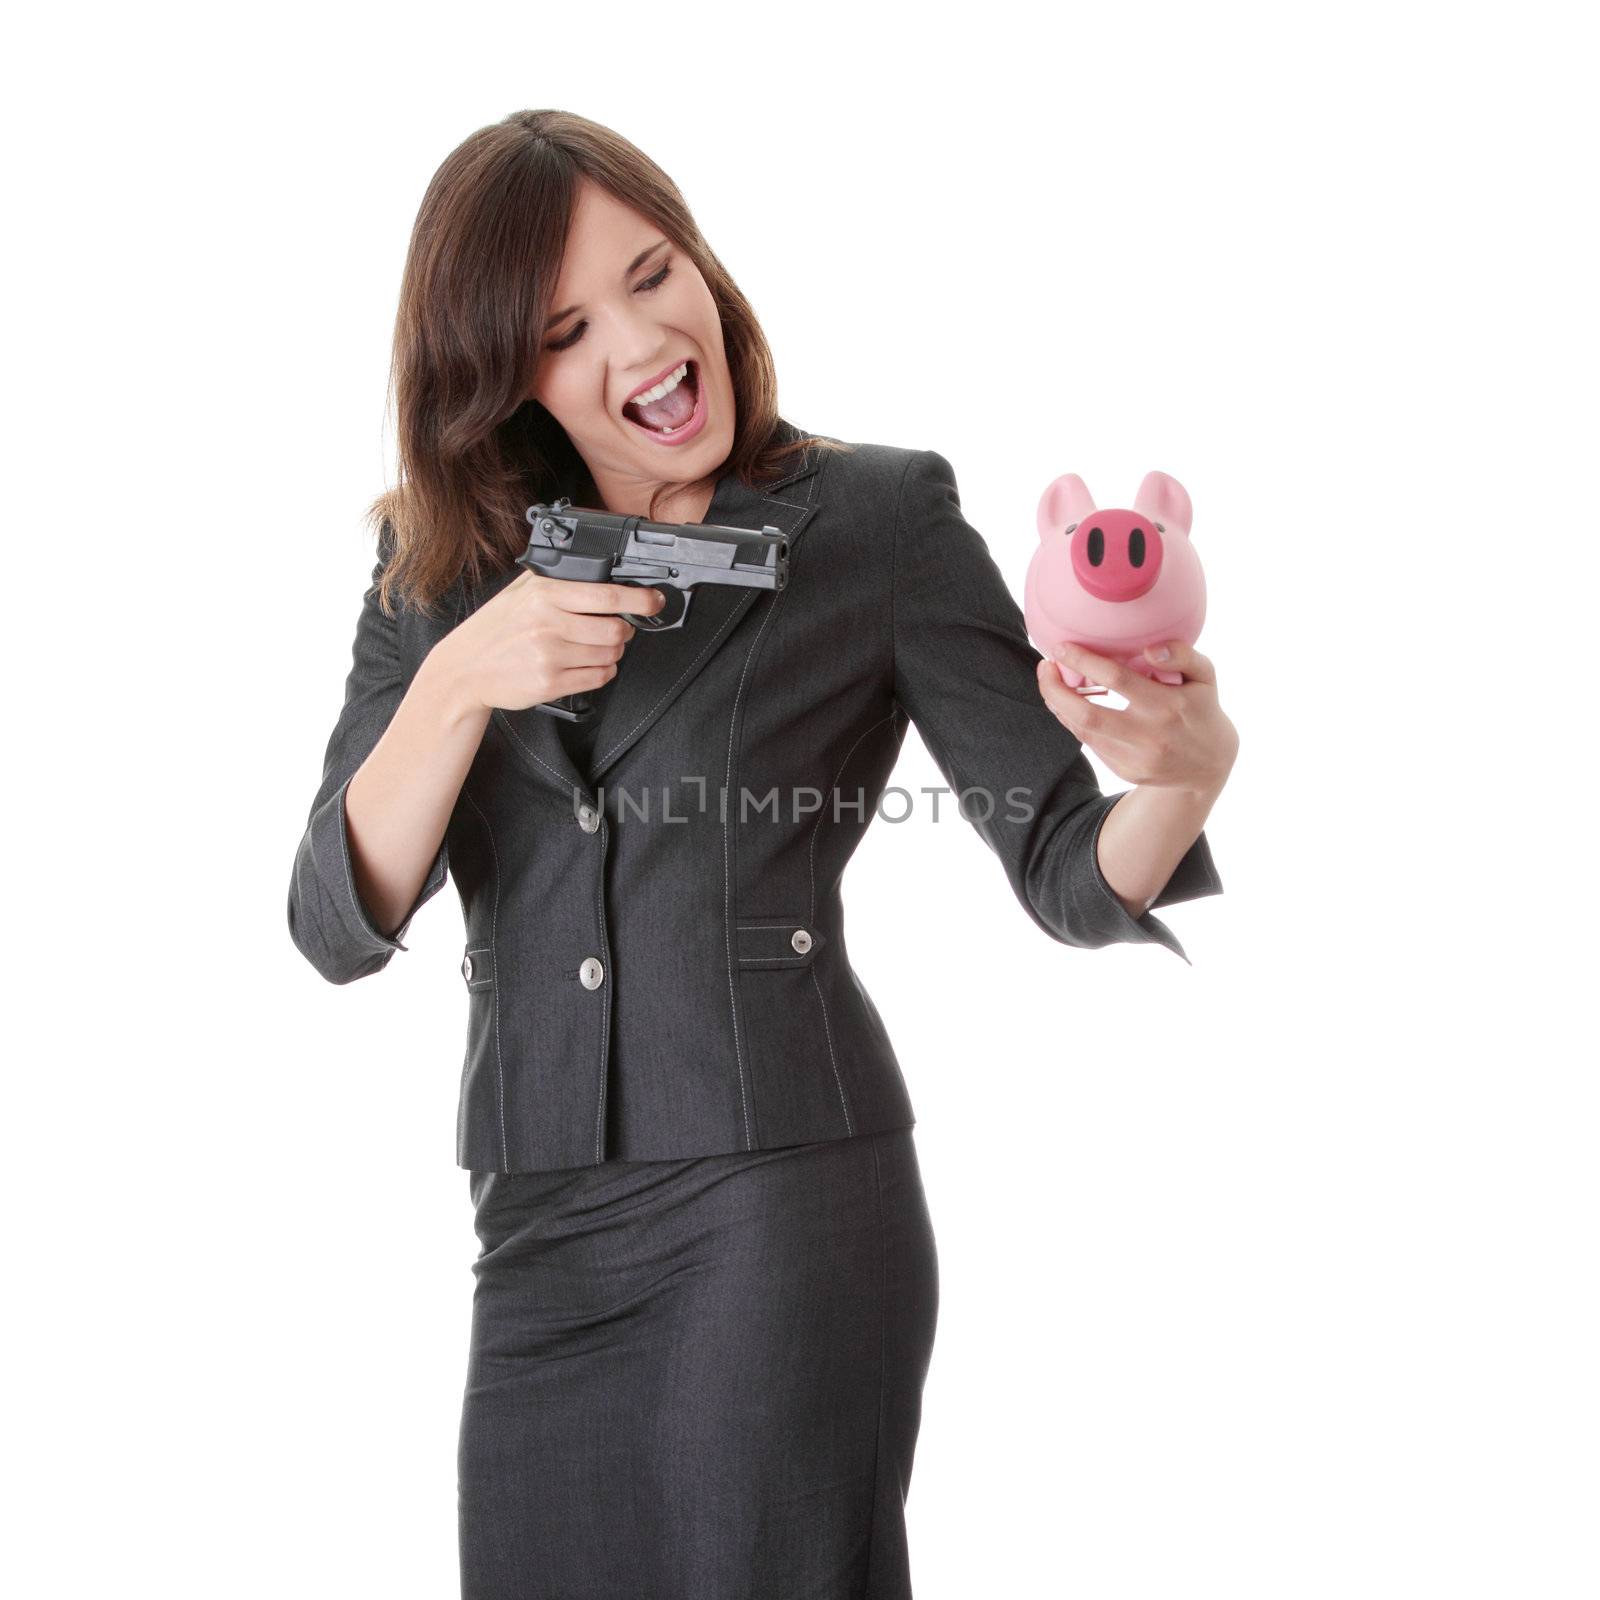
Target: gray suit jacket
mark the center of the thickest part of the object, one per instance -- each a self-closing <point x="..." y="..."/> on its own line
<point x="655" y="964"/>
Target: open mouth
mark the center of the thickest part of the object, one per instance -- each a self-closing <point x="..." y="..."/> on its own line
<point x="671" y="415"/>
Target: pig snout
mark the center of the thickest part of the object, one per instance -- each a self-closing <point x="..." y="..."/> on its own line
<point x="1116" y="555"/>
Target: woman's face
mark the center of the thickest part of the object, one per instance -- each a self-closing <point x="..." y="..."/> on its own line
<point x="630" y="308"/>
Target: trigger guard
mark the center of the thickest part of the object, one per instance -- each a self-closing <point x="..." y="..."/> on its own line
<point x="665" y="618"/>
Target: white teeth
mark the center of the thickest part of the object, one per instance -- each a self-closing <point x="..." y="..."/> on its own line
<point x="666" y="386"/>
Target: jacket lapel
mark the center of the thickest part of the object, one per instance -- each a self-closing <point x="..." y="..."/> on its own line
<point x="656" y="668"/>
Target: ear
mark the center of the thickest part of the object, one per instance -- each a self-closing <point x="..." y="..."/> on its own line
<point x="1065" y="502"/>
<point x="1166" y="501"/>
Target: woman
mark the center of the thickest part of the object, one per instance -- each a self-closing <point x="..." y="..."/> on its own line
<point x="707" y="1290"/>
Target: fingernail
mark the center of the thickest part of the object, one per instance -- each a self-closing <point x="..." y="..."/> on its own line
<point x="1157" y="652"/>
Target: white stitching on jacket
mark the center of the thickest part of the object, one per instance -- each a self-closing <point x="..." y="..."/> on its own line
<point x="560" y="777"/>
<point x="391" y="945"/>
<point x="811" y="870"/>
<point x="668" y="690"/>
<point x="494" y="925"/>
<point x="727" y="871"/>
<point x="710" y="643"/>
<point x="605" y="1015"/>
<point x="827" y="1028"/>
<point x="727" y="875"/>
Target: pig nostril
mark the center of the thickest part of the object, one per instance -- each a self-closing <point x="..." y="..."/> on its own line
<point x="1097" y="547"/>
<point x="1136" y="547"/>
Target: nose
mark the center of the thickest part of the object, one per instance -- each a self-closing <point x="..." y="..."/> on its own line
<point x="1116" y="555"/>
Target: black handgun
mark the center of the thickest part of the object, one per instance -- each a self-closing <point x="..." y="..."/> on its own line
<point x="674" y="557"/>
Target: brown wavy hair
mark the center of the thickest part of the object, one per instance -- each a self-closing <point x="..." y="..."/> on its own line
<point x="480" y="273"/>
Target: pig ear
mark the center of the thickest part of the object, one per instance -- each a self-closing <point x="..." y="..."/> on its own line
<point x="1066" y="501"/>
<point x="1164" y="500"/>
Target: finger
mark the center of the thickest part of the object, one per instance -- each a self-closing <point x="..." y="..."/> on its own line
<point x="1183" y="658"/>
<point x="1088" y="722"/>
<point x="1057" y="682"/>
<point x="599" y="628"/>
<point x="641" y="599"/>
<point x="575" y="680"/>
<point x="585" y="658"/>
<point x="1131" y="685"/>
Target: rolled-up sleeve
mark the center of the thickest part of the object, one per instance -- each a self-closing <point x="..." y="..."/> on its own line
<point x="328" y="922"/>
<point x="965" y="673"/>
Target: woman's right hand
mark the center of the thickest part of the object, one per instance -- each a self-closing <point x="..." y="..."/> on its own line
<point x="541" y="638"/>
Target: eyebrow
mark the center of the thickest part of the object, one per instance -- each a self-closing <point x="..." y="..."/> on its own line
<point x="633" y="266"/>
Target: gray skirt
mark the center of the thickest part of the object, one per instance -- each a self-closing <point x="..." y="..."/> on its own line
<point x="698" y="1379"/>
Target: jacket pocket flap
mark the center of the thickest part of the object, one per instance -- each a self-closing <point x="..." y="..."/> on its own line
<point x="777" y="942"/>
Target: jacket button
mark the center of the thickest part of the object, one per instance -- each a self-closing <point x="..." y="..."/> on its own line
<point x="466" y="968"/>
<point x="591" y="974"/>
<point x="588" y="818"/>
<point x="801" y="940"/>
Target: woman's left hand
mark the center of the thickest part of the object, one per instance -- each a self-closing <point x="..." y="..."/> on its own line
<point x="1169" y="736"/>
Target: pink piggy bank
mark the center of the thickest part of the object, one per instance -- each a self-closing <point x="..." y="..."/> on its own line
<point x="1114" y="581"/>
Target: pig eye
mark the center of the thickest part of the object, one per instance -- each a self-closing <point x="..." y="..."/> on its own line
<point x="1068" y="529"/>
<point x="1097" y="547"/>
<point x="1136" y="547"/>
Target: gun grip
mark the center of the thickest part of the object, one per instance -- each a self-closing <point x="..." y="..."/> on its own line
<point x="579" y="707"/>
<point x="569" y="707"/>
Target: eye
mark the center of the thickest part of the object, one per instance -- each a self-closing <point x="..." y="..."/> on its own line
<point x="649" y="286"/>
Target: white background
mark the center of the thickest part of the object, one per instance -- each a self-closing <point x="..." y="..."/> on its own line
<point x="1269" y="1276"/>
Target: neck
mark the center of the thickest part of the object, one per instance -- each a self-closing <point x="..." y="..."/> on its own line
<point x="681" y="505"/>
